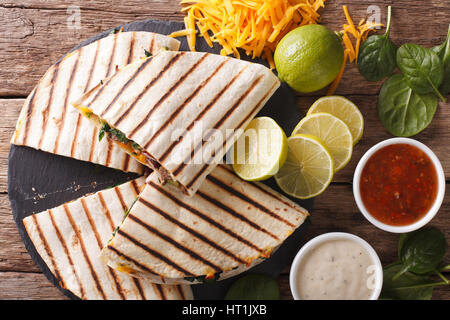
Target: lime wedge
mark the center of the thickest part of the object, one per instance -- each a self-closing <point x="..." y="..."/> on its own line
<point x="332" y="132"/>
<point x="343" y="109"/>
<point x="260" y="151"/>
<point x="308" y="169"/>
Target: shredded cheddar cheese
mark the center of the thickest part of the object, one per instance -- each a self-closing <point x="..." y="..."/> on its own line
<point x="256" y="26"/>
<point x="359" y="33"/>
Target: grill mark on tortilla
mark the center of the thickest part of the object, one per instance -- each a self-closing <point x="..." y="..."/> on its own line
<point x="48" y="250"/>
<point x="204" y="167"/>
<point x="240" y="217"/>
<point x="106" y="211"/>
<point x="131" y="50"/>
<point x="119" y="288"/>
<point x="129" y="259"/>
<point x="108" y="151"/>
<point x="112" y="56"/>
<point x="91" y="69"/>
<point x="91" y="221"/>
<point x="126" y="162"/>
<point x="173" y="242"/>
<point x="88" y="215"/>
<point x="66" y="251"/>
<point x="87" y="85"/>
<point x="93" y="142"/>
<point x="187" y="228"/>
<point x="135" y="188"/>
<point x="99" y="91"/>
<point x="75" y="138"/>
<point x="217" y="126"/>
<point x="277" y="198"/>
<point x="247" y="199"/>
<point x="84" y="251"/>
<point x="211" y="103"/>
<point x="176" y="112"/>
<point x="164" y="69"/>
<point x="259" y="187"/>
<point x="180" y="291"/>
<point x="169" y="92"/>
<point x="66" y="98"/>
<point x="160" y="291"/>
<point x="152" y="42"/>
<point x="133" y="77"/>
<point x="46" y="111"/>
<point x="120" y="196"/>
<point x="138" y="286"/>
<point x="154" y="253"/>
<point x="29" y="113"/>
<point x="216" y="224"/>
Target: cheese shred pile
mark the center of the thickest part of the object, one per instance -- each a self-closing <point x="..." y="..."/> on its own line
<point x="359" y="34"/>
<point x="256" y="26"/>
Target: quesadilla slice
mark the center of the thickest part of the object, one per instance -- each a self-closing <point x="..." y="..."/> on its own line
<point x="228" y="226"/>
<point x="69" y="239"/>
<point x="179" y="112"/>
<point x="48" y="122"/>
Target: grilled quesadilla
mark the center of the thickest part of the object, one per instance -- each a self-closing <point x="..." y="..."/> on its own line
<point x="179" y="112"/>
<point x="48" y="122"/>
<point x="228" y="226"/>
<point x="69" y="239"/>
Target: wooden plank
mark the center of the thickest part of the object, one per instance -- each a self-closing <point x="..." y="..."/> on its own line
<point x="27" y="286"/>
<point x="13" y="255"/>
<point x="34" y="34"/>
<point x="374" y="133"/>
<point x="10" y="109"/>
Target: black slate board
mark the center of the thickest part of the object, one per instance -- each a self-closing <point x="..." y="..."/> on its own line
<point x="38" y="181"/>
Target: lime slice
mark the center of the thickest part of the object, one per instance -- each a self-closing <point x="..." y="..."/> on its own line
<point x="260" y="151"/>
<point x="308" y="169"/>
<point x="343" y="109"/>
<point x="332" y="132"/>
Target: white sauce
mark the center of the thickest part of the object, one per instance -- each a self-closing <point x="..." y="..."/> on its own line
<point x="336" y="270"/>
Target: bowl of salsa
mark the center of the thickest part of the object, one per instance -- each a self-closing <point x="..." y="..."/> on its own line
<point x="399" y="185"/>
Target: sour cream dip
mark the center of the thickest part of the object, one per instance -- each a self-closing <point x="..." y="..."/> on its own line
<point x="336" y="266"/>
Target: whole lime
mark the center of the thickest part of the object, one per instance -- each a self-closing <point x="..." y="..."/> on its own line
<point x="309" y="58"/>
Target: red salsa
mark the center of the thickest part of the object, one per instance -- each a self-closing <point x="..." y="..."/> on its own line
<point x="398" y="184"/>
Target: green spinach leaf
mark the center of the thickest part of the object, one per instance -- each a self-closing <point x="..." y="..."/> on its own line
<point x="377" y="55"/>
<point x="443" y="52"/>
<point x="422" y="252"/>
<point x="422" y="68"/>
<point x="402" y="111"/>
<point x="408" y="286"/>
<point x="254" y="287"/>
<point x="401" y="242"/>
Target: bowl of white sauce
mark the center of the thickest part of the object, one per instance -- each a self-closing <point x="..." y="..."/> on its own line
<point x="336" y="266"/>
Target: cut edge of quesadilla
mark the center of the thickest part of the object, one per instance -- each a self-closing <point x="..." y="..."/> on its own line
<point x="129" y="146"/>
<point x="245" y="90"/>
<point x="69" y="239"/>
<point x="169" y="238"/>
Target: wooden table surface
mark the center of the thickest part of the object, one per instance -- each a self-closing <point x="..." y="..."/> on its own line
<point x="35" y="33"/>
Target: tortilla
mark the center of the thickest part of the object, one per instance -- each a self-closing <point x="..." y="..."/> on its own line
<point x="47" y="121"/>
<point x="179" y="112"/>
<point x="69" y="239"/>
<point x="228" y="226"/>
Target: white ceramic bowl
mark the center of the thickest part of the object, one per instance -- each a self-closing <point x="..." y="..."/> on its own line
<point x="336" y="236"/>
<point x="439" y="197"/>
